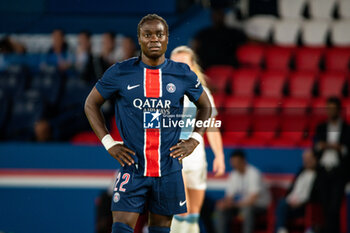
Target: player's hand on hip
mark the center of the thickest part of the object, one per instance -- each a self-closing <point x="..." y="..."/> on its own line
<point x="184" y="148"/>
<point x="121" y="153"/>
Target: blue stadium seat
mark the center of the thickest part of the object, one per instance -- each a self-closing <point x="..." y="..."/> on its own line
<point x="27" y="108"/>
<point x="4" y="113"/>
<point x="49" y="83"/>
<point x="14" y="79"/>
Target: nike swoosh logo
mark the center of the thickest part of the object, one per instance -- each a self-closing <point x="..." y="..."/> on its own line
<point x="132" y="87"/>
<point x="182" y="203"/>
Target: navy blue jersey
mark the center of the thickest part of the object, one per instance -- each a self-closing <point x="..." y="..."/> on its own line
<point x="148" y="99"/>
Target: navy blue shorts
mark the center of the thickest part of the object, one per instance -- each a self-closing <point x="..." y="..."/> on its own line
<point x="164" y="195"/>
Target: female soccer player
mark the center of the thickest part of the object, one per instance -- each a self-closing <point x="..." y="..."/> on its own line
<point x="195" y="165"/>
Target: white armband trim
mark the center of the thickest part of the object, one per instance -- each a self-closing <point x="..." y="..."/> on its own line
<point x="196" y="136"/>
<point x="108" y="142"/>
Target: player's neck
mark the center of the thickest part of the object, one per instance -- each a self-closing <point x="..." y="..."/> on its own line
<point x="153" y="62"/>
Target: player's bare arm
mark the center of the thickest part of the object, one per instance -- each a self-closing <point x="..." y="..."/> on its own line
<point x="186" y="147"/>
<point x="93" y="112"/>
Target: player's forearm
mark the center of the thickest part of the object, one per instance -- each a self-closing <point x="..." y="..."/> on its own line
<point x="215" y="141"/>
<point x="95" y="117"/>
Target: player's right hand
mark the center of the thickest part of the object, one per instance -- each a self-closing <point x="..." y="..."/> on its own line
<point x="121" y="153"/>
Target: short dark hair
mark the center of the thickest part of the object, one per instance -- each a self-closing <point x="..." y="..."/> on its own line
<point x="334" y="100"/>
<point x="151" y="17"/>
<point x="238" y="153"/>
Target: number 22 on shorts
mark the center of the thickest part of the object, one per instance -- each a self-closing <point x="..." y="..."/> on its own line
<point x="126" y="178"/>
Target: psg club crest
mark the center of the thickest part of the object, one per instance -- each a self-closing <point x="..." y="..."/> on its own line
<point x="116" y="197"/>
<point x="151" y="120"/>
<point x="171" y="88"/>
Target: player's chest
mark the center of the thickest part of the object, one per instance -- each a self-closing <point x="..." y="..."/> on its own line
<point x="151" y="86"/>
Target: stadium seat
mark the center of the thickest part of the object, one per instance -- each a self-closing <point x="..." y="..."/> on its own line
<point x="218" y="77"/>
<point x="27" y="108"/>
<point x="236" y="128"/>
<point x="344" y="9"/>
<point x="264" y="129"/>
<point x="286" y="32"/>
<point x="294" y="106"/>
<point x="291" y="9"/>
<point x="250" y="55"/>
<point x="308" y="58"/>
<point x="318" y="113"/>
<point x="266" y="105"/>
<point x="278" y="58"/>
<point x="244" y="81"/>
<point x="337" y="59"/>
<point x="4" y="113"/>
<point x="14" y="79"/>
<point x="322" y="9"/>
<point x="259" y="27"/>
<point x="301" y="84"/>
<point x="272" y="83"/>
<point x="238" y="105"/>
<point x="315" y="32"/>
<point x="292" y="130"/>
<point x="49" y="83"/>
<point x="265" y="122"/>
<point x="331" y="84"/>
<point x="340" y="33"/>
<point x="346" y="109"/>
<point x="236" y="119"/>
<point x="219" y="100"/>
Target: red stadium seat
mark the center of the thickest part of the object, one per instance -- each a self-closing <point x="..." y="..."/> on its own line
<point x="236" y="128"/>
<point x="264" y="128"/>
<point x="244" y="81"/>
<point x="337" y="59"/>
<point x="265" y="122"/>
<point x="308" y="58"/>
<point x="272" y="83"/>
<point x="301" y="84"/>
<point x="218" y="77"/>
<point x="266" y="105"/>
<point x="293" y="129"/>
<point x="219" y="100"/>
<point x="318" y="114"/>
<point x="295" y="105"/>
<point x="236" y="119"/>
<point x="331" y="84"/>
<point x="250" y="55"/>
<point x="346" y="109"/>
<point x="278" y="58"/>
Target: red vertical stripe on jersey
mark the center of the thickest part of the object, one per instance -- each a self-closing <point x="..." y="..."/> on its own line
<point x="152" y="152"/>
<point x="152" y="83"/>
<point x="152" y="136"/>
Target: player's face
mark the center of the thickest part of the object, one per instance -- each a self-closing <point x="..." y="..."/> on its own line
<point x="184" y="58"/>
<point x="153" y="39"/>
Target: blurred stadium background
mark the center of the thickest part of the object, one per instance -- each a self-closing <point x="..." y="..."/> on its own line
<point x="295" y="54"/>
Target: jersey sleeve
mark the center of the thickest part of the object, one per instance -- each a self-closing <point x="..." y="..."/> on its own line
<point x="194" y="87"/>
<point x="108" y="84"/>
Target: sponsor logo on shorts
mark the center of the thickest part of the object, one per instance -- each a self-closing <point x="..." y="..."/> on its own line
<point x="182" y="203"/>
<point x="116" y="197"/>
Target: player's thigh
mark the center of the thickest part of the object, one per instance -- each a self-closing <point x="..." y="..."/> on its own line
<point x="159" y="220"/>
<point x="196" y="198"/>
<point x="130" y="192"/>
<point x="196" y="178"/>
<point x="129" y="218"/>
<point x="168" y="195"/>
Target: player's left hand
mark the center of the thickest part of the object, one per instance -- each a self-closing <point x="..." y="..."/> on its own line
<point x="184" y="148"/>
<point x="219" y="166"/>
